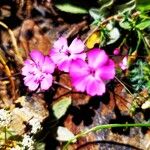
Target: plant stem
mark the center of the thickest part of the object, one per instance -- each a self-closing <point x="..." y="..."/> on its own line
<point x="145" y="44"/>
<point x="5" y="135"/>
<point x="139" y="40"/>
<point x="107" y="126"/>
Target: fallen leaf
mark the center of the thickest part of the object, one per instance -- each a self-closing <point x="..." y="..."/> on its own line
<point x="93" y="39"/>
<point x="60" y="107"/>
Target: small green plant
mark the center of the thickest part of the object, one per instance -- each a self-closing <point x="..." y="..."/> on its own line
<point x="140" y="76"/>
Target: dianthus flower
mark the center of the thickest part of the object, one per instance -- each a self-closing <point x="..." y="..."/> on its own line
<point x="38" y="71"/>
<point x="92" y="76"/>
<point x="62" y="54"/>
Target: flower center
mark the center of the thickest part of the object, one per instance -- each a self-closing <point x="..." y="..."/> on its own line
<point x="92" y="72"/>
<point x="67" y="53"/>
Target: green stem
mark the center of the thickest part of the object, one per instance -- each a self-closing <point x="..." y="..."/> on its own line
<point x="145" y="44"/>
<point x="123" y="41"/>
<point x="5" y="135"/>
<point x="107" y="126"/>
<point x="139" y="40"/>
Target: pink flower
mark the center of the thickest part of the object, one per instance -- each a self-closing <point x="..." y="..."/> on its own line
<point x="124" y="64"/>
<point x="62" y="54"/>
<point x="38" y="71"/>
<point x="92" y="76"/>
<point x="116" y="51"/>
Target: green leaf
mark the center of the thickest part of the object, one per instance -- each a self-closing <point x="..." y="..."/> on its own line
<point x="143" y="5"/>
<point x="125" y="25"/>
<point x="75" y="6"/>
<point x="143" y="25"/>
<point x="70" y="8"/>
<point x="95" y="13"/>
<point x="60" y="107"/>
<point x="114" y="35"/>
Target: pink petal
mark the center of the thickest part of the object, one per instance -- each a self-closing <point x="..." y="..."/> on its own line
<point x="77" y="46"/>
<point x="33" y="86"/>
<point x="48" y="65"/>
<point x="80" y="83"/>
<point x="78" y="68"/>
<point x="28" y="64"/>
<point x="107" y="71"/>
<point x="97" y="57"/>
<point x="37" y="57"/>
<point x="95" y="87"/>
<point x="78" y="56"/>
<point x="124" y="63"/>
<point x="25" y="70"/>
<point x="79" y="72"/>
<point x="30" y="82"/>
<point x="46" y="83"/>
<point x="64" y="65"/>
<point x="61" y="44"/>
<point x="57" y="57"/>
<point x="27" y="79"/>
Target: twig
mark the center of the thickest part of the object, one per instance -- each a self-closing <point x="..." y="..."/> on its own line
<point x="64" y="86"/>
<point x="124" y="86"/>
<point x="12" y="75"/>
<point x="14" y="43"/>
<point x="8" y="73"/>
<point x="76" y="28"/>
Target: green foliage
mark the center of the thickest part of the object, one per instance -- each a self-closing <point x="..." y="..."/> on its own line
<point x="101" y="12"/>
<point x="127" y="22"/>
<point x="140" y="76"/>
<point x="73" y="6"/>
<point x="125" y="25"/>
<point x="97" y="8"/>
<point x="137" y="24"/>
<point x="108" y="7"/>
<point x="105" y="126"/>
<point x="66" y="7"/>
<point x="60" y="107"/>
<point x="128" y="6"/>
<point x="143" y="5"/>
<point x="143" y="25"/>
<point x="96" y="14"/>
